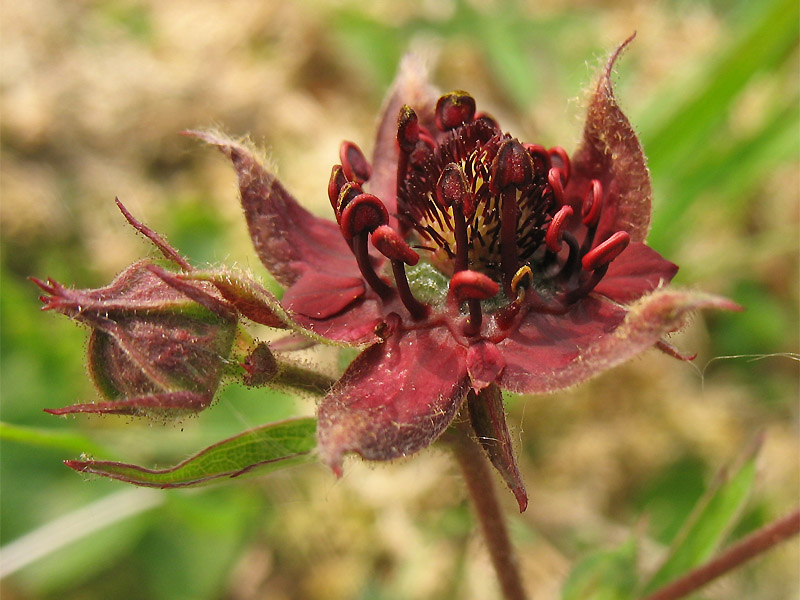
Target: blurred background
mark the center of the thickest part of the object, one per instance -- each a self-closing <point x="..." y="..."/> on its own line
<point x="93" y="95"/>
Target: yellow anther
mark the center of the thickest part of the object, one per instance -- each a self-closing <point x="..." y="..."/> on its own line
<point x="523" y="272"/>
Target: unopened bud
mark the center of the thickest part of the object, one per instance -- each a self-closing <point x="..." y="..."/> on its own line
<point x="157" y="342"/>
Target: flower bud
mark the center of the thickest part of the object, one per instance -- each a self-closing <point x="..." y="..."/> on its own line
<point x="158" y="343"/>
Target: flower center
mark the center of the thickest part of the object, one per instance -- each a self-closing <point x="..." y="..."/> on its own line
<point x="486" y="212"/>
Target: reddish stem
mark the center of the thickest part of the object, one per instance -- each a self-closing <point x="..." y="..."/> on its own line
<point x="750" y="547"/>
<point x="475" y="468"/>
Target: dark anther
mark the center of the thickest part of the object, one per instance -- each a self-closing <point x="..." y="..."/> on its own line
<point x="488" y="119"/>
<point x="355" y="165"/>
<point x="335" y="185"/>
<point x="590" y="211"/>
<point x="407" y="129"/>
<point x="454" y="109"/>
<point x="604" y="253"/>
<point x="555" y="230"/>
<point x="348" y="192"/>
<point x="452" y="187"/>
<point x="554" y="178"/>
<point x="512" y="166"/>
<point x="452" y="191"/>
<point x="473" y="287"/>
<point x="364" y="213"/>
<point x="559" y="152"/>
<point x="540" y="156"/>
<point x="537" y="149"/>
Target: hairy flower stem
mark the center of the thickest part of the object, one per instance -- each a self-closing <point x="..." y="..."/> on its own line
<point x="750" y="547"/>
<point x="303" y="380"/>
<point x="475" y="467"/>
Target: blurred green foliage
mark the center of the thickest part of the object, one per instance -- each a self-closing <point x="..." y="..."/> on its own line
<point x="93" y="93"/>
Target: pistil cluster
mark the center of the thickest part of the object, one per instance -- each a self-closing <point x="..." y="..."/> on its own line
<point x="485" y="210"/>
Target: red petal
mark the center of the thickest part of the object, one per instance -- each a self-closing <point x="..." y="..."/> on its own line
<point x="635" y="272"/>
<point x="334" y="308"/>
<point x="288" y="239"/>
<point x="611" y="153"/>
<point x="320" y="295"/>
<point x="541" y="360"/>
<point x="410" y="87"/>
<point x="488" y="418"/>
<point x="394" y="399"/>
<point x="540" y="352"/>
<point x="356" y="325"/>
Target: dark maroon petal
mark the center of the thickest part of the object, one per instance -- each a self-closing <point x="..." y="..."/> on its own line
<point x="484" y="364"/>
<point x="546" y="355"/>
<point x="320" y="295"/>
<point x="635" y="272"/>
<point x="394" y="399"/>
<point x="356" y="325"/>
<point x="167" y="401"/>
<point x="488" y="418"/>
<point x="288" y="239"/>
<point x="545" y="345"/>
<point x="410" y="87"/>
<point x="611" y="153"/>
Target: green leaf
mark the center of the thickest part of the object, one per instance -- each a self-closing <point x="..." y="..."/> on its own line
<point x="48" y="438"/>
<point x="603" y="575"/>
<point x="713" y="517"/>
<point x="254" y="452"/>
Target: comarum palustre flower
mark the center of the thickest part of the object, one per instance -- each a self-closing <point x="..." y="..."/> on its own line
<point x="467" y="261"/>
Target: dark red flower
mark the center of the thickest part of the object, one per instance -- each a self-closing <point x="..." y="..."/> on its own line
<point x="467" y="261"/>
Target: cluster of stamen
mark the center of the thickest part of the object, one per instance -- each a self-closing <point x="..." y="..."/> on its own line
<point x="484" y="209"/>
